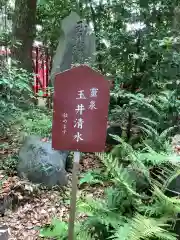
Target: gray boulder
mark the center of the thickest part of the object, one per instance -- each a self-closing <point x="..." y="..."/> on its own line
<point x="39" y="163"/>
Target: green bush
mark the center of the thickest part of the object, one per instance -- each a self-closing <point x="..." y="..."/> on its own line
<point x="15" y="94"/>
<point x="127" y="211"/>
<point x="147" y="116"/>
<point x="35" y="122"/>
<point x="9" y="165"/>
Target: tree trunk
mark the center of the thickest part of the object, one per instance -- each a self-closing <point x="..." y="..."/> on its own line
<point x="24" y="32"/>
<point x="96" y="18"/>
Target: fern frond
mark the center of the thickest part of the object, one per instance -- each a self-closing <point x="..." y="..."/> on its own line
<point x="119" y="174"/>
<point x="161" y="205"/>
<point x="114" y="197"/>
<point x="100" y="211"/>
<point x="84" y="235"/>
<point x="126" y="150"/>
<point x="163" y="176"/>
<point x="147" y="120"/>
<point x="149" y="130"/>
<point x="108" y="161"/>
<point x="163" y="135"/>
<point x="122" y="142"/>
<point x="122" y="233"/>
<point x="171" y="205"/>
<point x="141" y="227"/>
<point x="57" y="229"/>
<point x="153" y="158"/>
<point x="140" y="100"/>
<point x="171" y="174"/>
<point x="123" y="177"/>
<point x="150" y="156"/>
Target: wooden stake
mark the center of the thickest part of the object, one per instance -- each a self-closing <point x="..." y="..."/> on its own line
<point x="73" y="195"/>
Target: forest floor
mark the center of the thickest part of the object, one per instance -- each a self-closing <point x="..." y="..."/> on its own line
<point x="34" y="205"/>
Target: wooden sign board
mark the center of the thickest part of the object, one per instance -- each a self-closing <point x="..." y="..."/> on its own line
<point x="81" y="99"/>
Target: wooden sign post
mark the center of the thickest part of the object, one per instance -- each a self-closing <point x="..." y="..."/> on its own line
<point x="73" y="195"/>
<point x="81" y="99"/>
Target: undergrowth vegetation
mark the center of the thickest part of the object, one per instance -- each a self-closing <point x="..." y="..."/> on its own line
<point x="135" y="206"/>
<point x="138" y="170"/>
<point x="14" y="93"/>
<point x="137" y="202"/>
<point x="18" y="112"/>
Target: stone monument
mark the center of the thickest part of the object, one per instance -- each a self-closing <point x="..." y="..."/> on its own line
<point x="76" y="45"/>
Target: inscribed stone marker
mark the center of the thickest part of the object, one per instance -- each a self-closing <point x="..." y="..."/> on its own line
<point x="76" y="45"/>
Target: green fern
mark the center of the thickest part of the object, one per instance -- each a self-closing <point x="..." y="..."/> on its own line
<point x="92" y="177"/>
<point x="141" y="227"/>
<point x="171" y="177"/>
<point x="164" y="135"/>
<point x="82" y="232"/>
<point x="163" y="176"/>
<point x="140" y="101"/>
<point x="149" y="130"/>
<point x="84" y="235"/>
<point x="110" y="163"/>
<point x="115" y="197"/>
<point x="99" y="209"/>
<point x="147" y="121"/>
<point x="170" y="206"/>
<point x="123" y="177"/>
<point x="119" y="174"/>
<point x="150" y="157"/>
<point x="161" y="204"/>
<point x="158" y="142"/>
<point x="57" y="229"/>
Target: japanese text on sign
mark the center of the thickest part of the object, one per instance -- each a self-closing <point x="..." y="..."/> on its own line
<point x="80" y="108"/>
<point x="65" y="117"/>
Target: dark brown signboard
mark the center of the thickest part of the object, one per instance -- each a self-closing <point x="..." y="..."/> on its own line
<point x="81" y="99"/>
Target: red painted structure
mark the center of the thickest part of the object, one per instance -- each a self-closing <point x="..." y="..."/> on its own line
<point x="41" y="65"/>
<point x="41" y="61"/>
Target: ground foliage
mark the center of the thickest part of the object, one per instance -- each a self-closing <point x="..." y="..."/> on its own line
<point x="15" y="93"/>
<point x="123" y="196"/>
<point x="143" y="59"/>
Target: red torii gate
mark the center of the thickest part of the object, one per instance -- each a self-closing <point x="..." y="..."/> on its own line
<point x="41" y="65"/>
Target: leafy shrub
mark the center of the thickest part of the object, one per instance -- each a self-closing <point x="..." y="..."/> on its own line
<point x="125" y="212"/>
<point x="56" y="229"/>
<point x="15" y="93"/>
<point x="146" y="116"/>
<point x="35" y="122"/>
<point x="59" y="230"/>
<point x="9" y="165"/>
<point x="92" y="177"/>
